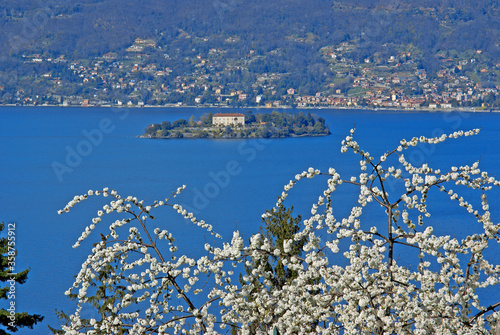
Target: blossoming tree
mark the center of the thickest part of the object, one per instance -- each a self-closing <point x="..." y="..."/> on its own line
<point x="140" y="283"/>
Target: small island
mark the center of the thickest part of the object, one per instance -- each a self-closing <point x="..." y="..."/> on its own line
<point x="241" y="125"/>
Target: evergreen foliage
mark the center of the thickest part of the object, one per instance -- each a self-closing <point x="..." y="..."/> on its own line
<point x="279" y="225"/>
<point x="9" y="317"/>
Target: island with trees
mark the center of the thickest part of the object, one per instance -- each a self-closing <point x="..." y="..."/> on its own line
<point x="241" y="125"/>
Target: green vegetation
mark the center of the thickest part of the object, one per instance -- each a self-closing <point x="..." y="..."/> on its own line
<point x="356" y="91"/>
<point x="279" y="226"/>
<point x="10" y="317"/>
<point x="271" y="125"/>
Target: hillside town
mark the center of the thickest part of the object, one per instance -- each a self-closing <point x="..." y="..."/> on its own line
<point x="140" y="78"/>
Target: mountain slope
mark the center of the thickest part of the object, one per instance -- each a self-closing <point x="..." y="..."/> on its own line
<point x="94" y="27"/>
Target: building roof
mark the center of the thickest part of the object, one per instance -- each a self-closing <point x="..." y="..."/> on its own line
<point x="228" y="114"/>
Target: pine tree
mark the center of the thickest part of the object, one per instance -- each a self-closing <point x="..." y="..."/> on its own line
<point x="278" y="225"/>
<point x="9" y="317"/>
<point x="209" y="119"/>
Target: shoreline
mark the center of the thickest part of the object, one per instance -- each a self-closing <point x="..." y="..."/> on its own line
<point x="374" y="109"/>
<point x="227" y="138"/>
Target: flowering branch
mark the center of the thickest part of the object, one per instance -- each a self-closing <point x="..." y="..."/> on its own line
<point x="346" y="279"/>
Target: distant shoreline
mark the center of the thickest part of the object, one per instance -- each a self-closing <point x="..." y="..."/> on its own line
<point x="374" y="109"/>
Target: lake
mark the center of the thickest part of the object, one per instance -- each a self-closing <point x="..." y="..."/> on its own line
<point x="48" y="155"/>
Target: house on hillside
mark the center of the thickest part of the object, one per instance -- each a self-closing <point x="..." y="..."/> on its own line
<point x="228" y="119"/>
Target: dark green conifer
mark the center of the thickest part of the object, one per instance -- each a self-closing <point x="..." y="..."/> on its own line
<point x="278" y="225"/>
<point x="10" y="318"/>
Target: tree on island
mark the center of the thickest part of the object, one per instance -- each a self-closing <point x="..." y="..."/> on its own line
<point x="249" y="117"/>
<point x="191" y="121"/>
<point x="10" y="318"/>
<point x="345" y="276"/>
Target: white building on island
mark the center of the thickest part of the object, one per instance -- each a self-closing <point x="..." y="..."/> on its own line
<point x="228" y="119"/>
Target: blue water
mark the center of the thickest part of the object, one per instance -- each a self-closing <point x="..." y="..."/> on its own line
<point x="48" y="155"/>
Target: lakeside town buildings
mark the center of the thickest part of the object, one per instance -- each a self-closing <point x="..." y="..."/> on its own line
<point x="392" y="82"/>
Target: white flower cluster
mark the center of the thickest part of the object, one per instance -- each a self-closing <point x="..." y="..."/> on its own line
<point x="190" y="216"/>
<point x="347" y="279"/>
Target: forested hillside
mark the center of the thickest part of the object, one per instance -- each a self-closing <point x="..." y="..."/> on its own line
<point x="93" y="27"/>
<point x="288" y="37"/>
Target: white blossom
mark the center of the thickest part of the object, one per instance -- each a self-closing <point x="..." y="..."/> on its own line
<point x="346" y="280"/>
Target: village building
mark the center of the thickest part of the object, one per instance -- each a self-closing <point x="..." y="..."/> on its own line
<point x="228" y="119"/>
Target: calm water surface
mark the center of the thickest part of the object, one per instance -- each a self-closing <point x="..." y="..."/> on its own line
<point x="48" y="155"/>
